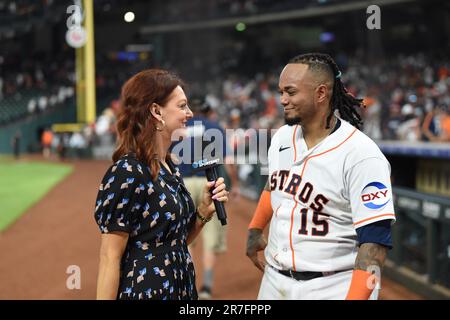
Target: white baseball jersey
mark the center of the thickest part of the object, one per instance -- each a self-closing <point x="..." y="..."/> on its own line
<point x="322" y="195"/>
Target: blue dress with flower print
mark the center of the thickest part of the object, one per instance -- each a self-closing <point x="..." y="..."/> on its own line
<point x="157" y="215"/>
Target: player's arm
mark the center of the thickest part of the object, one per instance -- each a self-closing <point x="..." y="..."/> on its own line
<point x="371" y="257"/>
<point x="255" y="238"/>
<point x="374" y="237"/>
<point x="375" y="240"/>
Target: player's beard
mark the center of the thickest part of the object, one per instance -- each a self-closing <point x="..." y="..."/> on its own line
<point x="292" y="121"/>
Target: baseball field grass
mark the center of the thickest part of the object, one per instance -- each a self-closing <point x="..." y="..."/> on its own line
<point x="24" y="183"/>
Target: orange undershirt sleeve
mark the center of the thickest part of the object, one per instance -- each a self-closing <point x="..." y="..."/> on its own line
<point x="263" y="212"/>
<point x="359" y="286"/>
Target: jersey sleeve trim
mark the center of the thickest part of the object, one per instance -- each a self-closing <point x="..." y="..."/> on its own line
<point x="359" y="223"/>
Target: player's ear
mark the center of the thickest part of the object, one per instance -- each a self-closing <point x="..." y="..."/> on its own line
<point x="322" y="93"/>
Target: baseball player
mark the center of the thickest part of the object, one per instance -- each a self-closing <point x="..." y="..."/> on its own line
<point x="328" y="196"/>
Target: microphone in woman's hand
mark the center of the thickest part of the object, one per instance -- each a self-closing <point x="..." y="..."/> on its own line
<point x="211" y="170"/>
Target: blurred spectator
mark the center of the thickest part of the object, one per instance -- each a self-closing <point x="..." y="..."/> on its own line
<point x="105" y="122"/>
<point x="409" y="129"/>
<point x="372" y="124"/>
<point x="46" y="142"/>
<point x="78" y="144"/>
<point x="62" y="146"/>
<point x="104" y="129"/>
<point x="56" y="141"/>
<point x="15" y="142"/>
<point x="31" y="106"/>
<point x="393" y="122"/>
<point x="435" y="126"/>
<point x="89" y="134"/>
<point x="42" y="103"/>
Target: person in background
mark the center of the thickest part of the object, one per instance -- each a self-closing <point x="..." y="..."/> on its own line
<point x="214" y="234"/>
<point x="435" y="125"/>
<point x="409" y="128"/>
<point x="46" y="142"/>
<point x="15" y="142"/>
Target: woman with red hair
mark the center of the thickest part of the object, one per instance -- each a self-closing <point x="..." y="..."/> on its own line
<point x="146" y="216"/>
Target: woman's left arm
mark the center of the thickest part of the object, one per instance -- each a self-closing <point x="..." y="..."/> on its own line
<point x="206" y="208"/>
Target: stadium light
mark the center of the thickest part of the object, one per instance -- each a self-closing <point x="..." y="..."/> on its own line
<point x="241" y="26"/>
<point x="129" y="16"/>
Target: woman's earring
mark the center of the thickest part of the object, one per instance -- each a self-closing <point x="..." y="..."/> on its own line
<point x="163" y="123"/>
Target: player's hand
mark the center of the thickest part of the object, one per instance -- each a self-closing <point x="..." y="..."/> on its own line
<point x="256" y="242"/>
<point x="213" y="190"/>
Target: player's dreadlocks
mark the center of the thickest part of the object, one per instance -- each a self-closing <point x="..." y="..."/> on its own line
<point x="341" y="100"/>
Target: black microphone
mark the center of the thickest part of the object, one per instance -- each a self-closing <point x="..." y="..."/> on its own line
<point x="211" y="170"/>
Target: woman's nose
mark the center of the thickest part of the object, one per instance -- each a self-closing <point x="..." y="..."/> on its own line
<point x="189" y="113"/>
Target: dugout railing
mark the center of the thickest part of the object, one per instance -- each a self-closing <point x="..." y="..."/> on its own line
<point x="420" y="258"/>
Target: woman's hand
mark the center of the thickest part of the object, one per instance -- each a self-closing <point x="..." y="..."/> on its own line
<point x="206" y="208"/>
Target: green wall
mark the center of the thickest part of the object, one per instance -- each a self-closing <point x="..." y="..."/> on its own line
<point x="29" y="127"/>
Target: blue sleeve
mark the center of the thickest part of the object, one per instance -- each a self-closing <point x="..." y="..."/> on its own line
<point x="120" y="197"/>
<point x="377" y="232"/>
